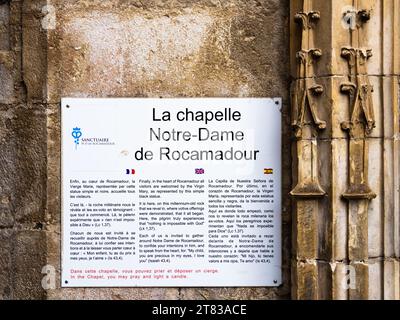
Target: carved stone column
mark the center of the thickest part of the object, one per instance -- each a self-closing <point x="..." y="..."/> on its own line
<point x="346" y="219"/>
<point x="359" y="127"/>
<point x="307" y="124"/>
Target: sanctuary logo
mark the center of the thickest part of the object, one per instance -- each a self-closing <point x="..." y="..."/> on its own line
<point x="79" y="139"/>
<point x="76" y="134"/>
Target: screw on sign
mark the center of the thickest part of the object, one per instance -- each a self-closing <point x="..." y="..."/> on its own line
<point x="130" y="171"/>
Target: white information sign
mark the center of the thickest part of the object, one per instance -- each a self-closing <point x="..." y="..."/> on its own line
<point x="171" y="192"/>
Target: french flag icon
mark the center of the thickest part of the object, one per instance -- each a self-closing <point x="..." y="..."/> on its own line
<point x="130" y="171"/>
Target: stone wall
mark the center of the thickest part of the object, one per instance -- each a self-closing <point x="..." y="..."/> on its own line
<point x="119" y="48"/>
<point x="343" y="64"/>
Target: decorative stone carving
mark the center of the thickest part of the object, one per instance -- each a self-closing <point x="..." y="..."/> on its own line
<point x="346" y="235"/>
<point x="356" y="18"/>
<point x="307" y="19"/>
<point x="359" y="127"/>
<point x="305" y="120"/>
<point x="362" y="120"/>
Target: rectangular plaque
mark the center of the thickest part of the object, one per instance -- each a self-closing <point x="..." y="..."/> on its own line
<point x="171" y="192"/>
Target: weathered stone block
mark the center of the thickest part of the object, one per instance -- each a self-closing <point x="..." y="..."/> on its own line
<point x="23" y="163"/>
<point x="375" y="274"/>
<point x="195" y="51"/>
<point x="361" y="289"/>
<point x="34" y="50"/>
<point x="53" y="214"/>
<point x="339" y="206"/>
<point x="29" y="257"/>
<point x="390" y="106"/>
<point x="5" y="264"/>
<point x="6" y="58"/>
<point x="304" y="280"/>
<point x="391" y="279"/>
<point x="375" y="214"/>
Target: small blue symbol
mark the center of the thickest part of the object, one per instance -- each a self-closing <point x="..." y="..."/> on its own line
<point x="76" y="134"/>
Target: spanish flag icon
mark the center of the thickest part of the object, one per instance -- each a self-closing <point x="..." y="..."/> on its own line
<point x="268" y="171"/>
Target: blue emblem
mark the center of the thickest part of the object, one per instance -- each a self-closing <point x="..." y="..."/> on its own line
<point x="76" y="134"/>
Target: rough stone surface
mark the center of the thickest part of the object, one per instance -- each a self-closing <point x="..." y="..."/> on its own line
<point x="22" y="165"/>
<point x="6" y="58"/>
<point x="29" y="257"/>
<point x="192" y="49"/>
<point x="5" y="264"/>
<point x="22" y="202"/>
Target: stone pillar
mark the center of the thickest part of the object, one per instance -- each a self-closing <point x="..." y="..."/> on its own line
<point x="22" y="166"/>
<point x="345" y="114"/>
